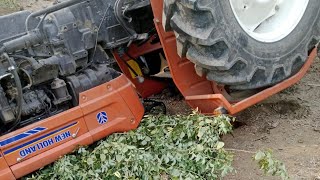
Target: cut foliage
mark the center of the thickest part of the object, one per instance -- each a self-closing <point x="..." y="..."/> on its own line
<point x="176" y="147"/>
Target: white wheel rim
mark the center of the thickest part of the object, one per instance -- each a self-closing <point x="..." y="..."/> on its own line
<point x="268" y="20"/>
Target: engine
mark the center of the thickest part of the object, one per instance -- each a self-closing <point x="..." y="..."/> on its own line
<point x="49" y="57"/>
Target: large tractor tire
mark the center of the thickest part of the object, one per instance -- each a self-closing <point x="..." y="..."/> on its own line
<point x="244" y="44"/>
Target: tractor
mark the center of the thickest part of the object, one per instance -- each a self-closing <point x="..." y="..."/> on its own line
<point x="78" y="71"/>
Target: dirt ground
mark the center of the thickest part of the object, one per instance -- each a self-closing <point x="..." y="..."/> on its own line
<point x="288" y="123"/>
<point x="7" y="6"/>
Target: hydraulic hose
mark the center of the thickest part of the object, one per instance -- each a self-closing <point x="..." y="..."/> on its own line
<point x="2" y="50"/>
<point x="31" y="60"/>
<point x="118" y="13"/>
<point x="19" y="99"/>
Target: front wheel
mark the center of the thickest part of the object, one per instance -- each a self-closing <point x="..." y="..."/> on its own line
<point x="241" y="43"/>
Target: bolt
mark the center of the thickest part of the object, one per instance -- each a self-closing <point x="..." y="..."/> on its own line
<point x="74" y="135"/>
<point x="11" y="68"/>
<point x="140" y="79"/>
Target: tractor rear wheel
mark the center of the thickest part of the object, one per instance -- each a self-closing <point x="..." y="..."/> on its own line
<point x="244" y="44"/>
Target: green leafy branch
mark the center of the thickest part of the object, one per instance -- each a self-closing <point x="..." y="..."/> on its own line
<point x="269" y="165"/>
<point x="163" y="147"/>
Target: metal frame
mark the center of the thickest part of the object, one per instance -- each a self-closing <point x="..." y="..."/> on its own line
<point x="149" y="86"/>
<point x="205" y="95"/>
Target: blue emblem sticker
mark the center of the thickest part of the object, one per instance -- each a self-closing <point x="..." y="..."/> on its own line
<point x="102" y="117"/>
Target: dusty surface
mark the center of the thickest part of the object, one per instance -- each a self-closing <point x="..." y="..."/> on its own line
<point x="288" y="123"/>
<point x="33" y="5"/>
<point x="7" y="6"/>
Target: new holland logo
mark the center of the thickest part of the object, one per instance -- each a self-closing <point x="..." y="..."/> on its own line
<point x="102" y="117"/>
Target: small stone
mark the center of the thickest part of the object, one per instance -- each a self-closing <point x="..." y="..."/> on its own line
<point x="317" y="129"/>
<point x="275" y="124"/>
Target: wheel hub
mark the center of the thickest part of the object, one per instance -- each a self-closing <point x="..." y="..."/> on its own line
<point x="268" y="20"/>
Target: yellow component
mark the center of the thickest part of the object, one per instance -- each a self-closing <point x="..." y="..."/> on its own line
<point x="135" y="66"/>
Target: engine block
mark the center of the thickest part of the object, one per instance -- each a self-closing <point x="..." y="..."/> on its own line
<point x="49" y="57"/>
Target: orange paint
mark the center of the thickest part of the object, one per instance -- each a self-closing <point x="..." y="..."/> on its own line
<point x="119" y="100"/>
<point x="5" y="171"/>
<point x="70" y="129"/>
<point x="244" y="104"/>
<point x="182" y="70"/>
<point x="52" y="124"/>
<point x="149" y="86"/>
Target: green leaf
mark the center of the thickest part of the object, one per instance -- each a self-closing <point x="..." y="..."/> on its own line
<point x="119" y="158"/>
<point x="144" y="142"/>
<point x="90" y="161"/>
<point x="200" y="147"/>
<point x="182" y="135"/>
<point x="219" y="145"/>
<point x="202" y="123"/>
<point x="117" y="174"/>
<point x="103" y="157"/>
<point x="201" y="132"/>
<point x="200" y="118"/>
<point x="269" y="165"/>
<point x="147" y="139"/>
<point x="259" y="155"/>
<point x="163" y="147"/>
<point x="175" y="173"/>
<point x="209" y="121"/>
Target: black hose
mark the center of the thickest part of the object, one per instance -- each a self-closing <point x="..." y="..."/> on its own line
<point x="31" y="60"/>
<point x="51" y="9"/>
<point x="118" y="13"/>
<point x="19" y="98"/>
<point x="2" y="50"/>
